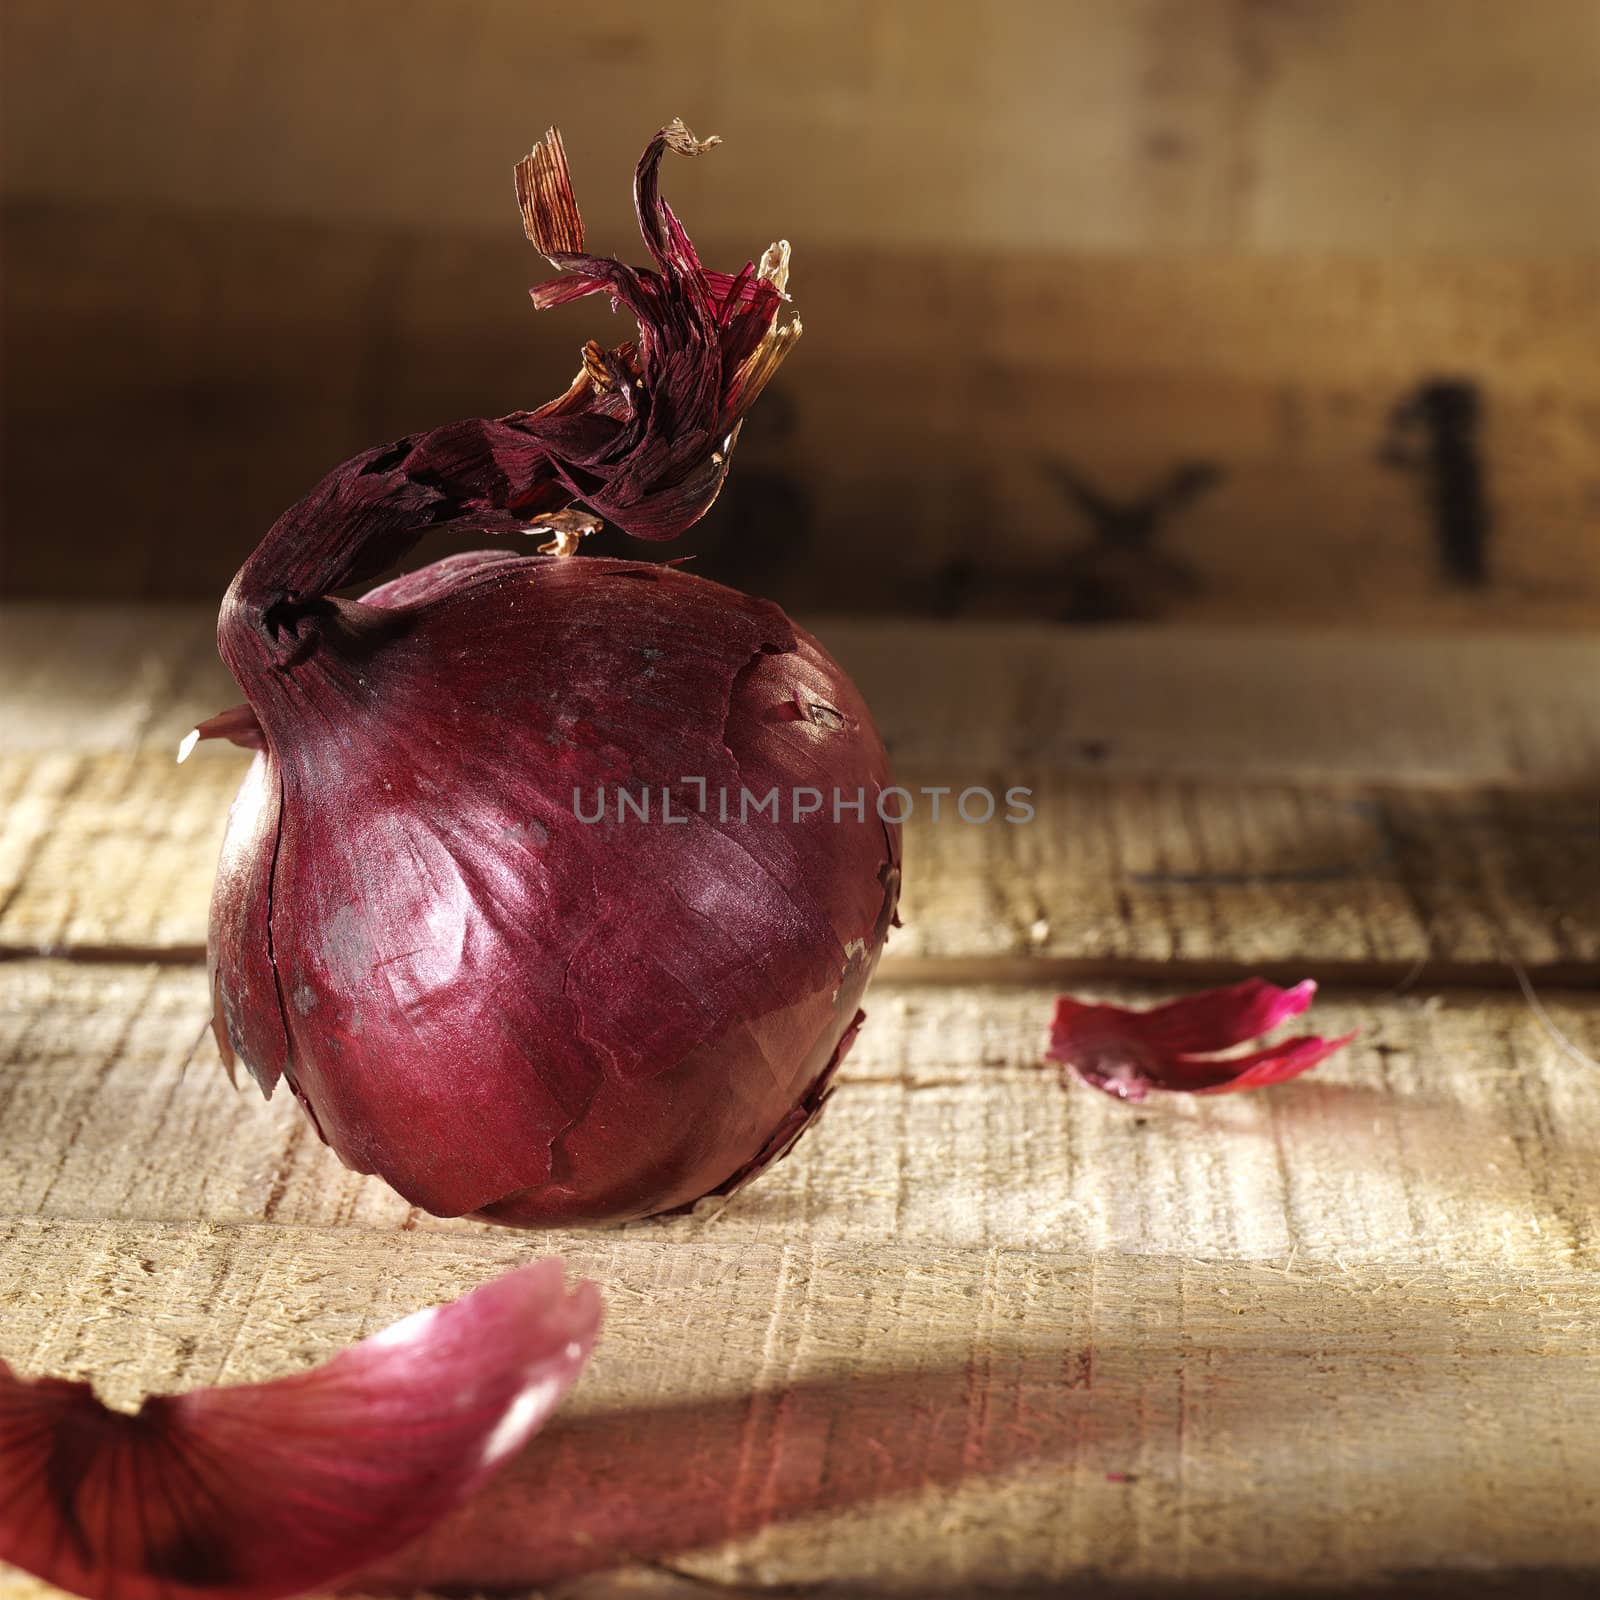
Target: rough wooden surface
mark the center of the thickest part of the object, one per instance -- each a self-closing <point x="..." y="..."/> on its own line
<point x="917" y="1421"/>
<point x="1267" y="704"/>
<point x="979" y="1329"/>
<point x="1189" y="805"/>
<point x="115" y="853"/>
<point x="1453" y="1132"/>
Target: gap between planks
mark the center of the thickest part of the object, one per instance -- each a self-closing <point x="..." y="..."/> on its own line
<point x="1357" y="979"/>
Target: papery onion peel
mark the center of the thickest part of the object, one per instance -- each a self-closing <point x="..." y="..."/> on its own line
<point x="264" y="1490"/>
<point x="1176" y="1046"/>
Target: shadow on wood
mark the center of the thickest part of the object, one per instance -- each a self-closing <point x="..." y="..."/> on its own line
<point x="648" y="1485"/>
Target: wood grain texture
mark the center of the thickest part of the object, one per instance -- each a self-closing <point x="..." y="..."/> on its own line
<point x="1454" y="1132"/>
<point x="1263" y="704"/>
<point x="1357" y="882"/>
<point x="109" y="853"/>
<point x="979" y="1330"/>
<point x="911" y="458"/>
<point x="1235" y="704"/>
<point x="1229" y="802"/>
<point x="1442" y="126"/>
<point x="921" y="1421"/>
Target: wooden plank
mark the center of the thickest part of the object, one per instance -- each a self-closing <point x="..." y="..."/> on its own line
<point x="920" y="1420"/>
<point x="1260" y="704"/>
<point x="1454" y="1133"/>
<point x="220" y="364"/>
<point x="1147" y="126"/>
<point x="113" y="851"/>
<point x="1256" y="704"/>
<point x="101" y="854"/>
<point x="1372" y="884"/>
<point x="102" y="678"/>
<point x="1223" y="800"/>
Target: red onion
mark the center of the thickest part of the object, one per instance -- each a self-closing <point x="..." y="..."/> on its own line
<point x="496" y="1005"/>
<point x="1176" y="1046"/>
<point x="272" y="1489"/>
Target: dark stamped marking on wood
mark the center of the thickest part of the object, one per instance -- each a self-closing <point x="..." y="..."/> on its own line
<point x="1120" y="572"/>
<point x="1434" y="432"/>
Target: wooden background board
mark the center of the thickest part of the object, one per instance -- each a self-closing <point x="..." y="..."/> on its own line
<point x="1149" y="126"/>
<point x="1106" y="239"/>
<point x="979" y="1329"/>
<point x="910" y="457"/>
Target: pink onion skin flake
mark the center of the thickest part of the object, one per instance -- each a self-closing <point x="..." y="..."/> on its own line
<point x="1177" y="1046"/>
<point x="264" y="1490"/>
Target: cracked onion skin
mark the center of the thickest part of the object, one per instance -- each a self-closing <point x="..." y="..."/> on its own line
<point x="502" y="1009"/>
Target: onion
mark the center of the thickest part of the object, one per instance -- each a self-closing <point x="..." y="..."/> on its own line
<point x="497" y="1004"/>
<point x="1176" y="1046"/>
<point x="272" y="1489"/>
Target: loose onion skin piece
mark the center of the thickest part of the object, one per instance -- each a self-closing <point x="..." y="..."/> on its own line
<point x="1174" y="1047"/>
<point x="266" y="1490"/>
<point x="499" y="1008"/>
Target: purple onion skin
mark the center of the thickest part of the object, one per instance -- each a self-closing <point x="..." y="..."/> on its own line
<point x="269" y="1490"/>
<point x="501" y="1009"/>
